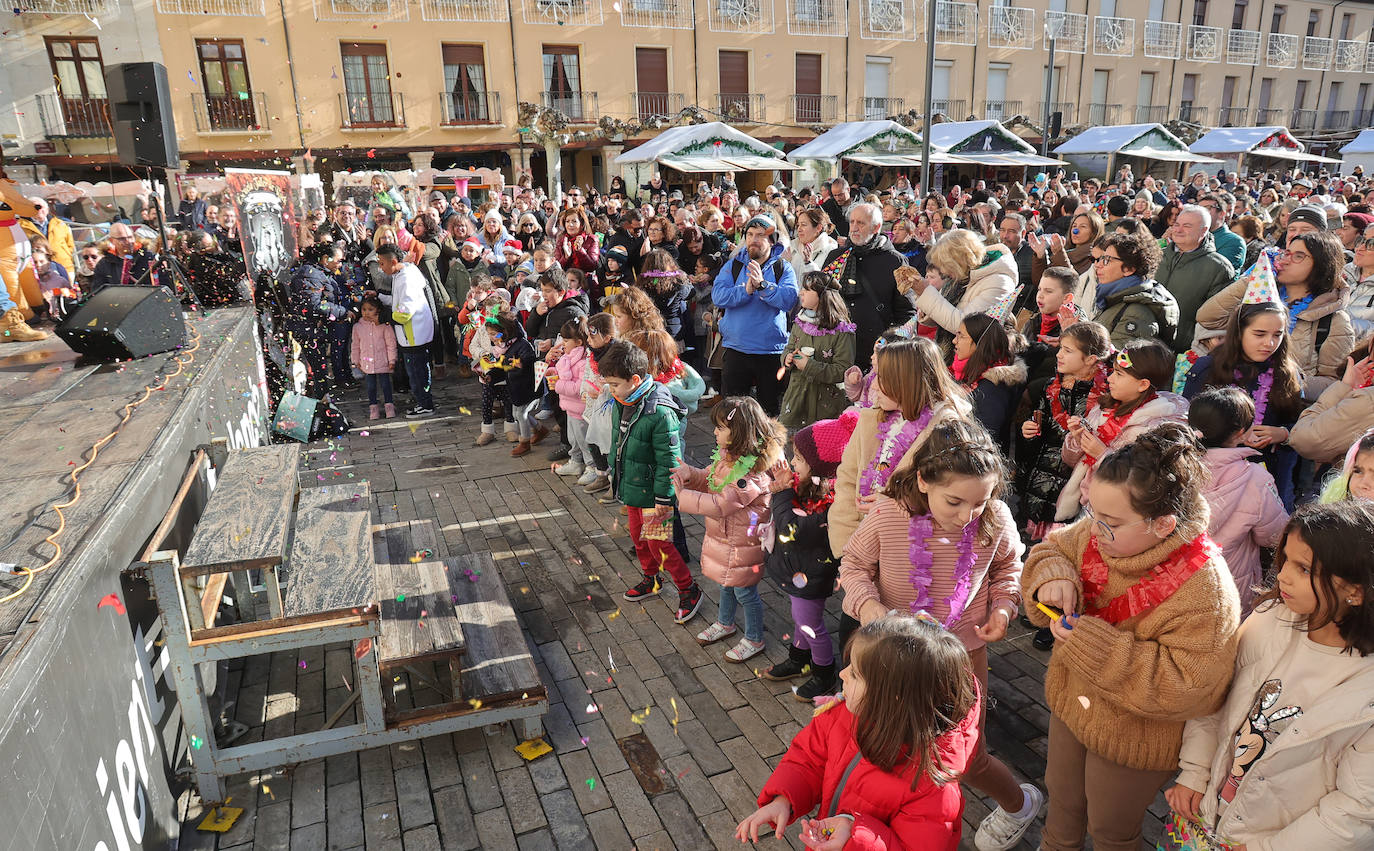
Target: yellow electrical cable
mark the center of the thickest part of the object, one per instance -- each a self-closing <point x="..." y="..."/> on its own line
<point x="29" y="573"/>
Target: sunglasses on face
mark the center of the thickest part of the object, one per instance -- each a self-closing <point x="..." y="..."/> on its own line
<point x="1367" y="243"/>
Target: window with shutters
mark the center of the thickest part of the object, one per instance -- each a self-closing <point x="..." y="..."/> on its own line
<point x="734" y="83"/>
<point x="1238" y="14"/>
<point x="367" y="85"/>
<point x="224" y="75"/>
<point x="652" y="98"/>
<point x="466" y="99"/>
<point x="807" y="99"/>
<point x="563" y="82"/>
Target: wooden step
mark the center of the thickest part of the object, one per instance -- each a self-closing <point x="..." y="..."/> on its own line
<point x="419" y="621"/>
<point x="497" y="666"/>
<point x="330" y="567"/>
<point x="246" y="523"/>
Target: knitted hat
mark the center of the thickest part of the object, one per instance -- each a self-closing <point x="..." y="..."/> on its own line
<point x="437" y="195"/>
<point x="1314" y="216"/>
<point x="1360" y="220"/>
<point x="618" y="254"/>
<point x="822" y="443"/>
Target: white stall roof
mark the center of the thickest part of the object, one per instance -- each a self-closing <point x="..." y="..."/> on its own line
<point x="1361" y="144"/>
<point x="850" y="135"/>
<point x="1296" y="156"/>
<point x="1109" y="140"/>
<point x="950" y="133"/>
<point x="1236" y="140"/>
<point x="672" y="142"/>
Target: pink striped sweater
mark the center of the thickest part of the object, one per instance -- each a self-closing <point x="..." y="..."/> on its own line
<point x="877" y="565"/>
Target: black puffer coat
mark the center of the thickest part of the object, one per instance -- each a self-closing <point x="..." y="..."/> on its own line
<point x="800" y="563"/>
<point x="1042" y="472"/>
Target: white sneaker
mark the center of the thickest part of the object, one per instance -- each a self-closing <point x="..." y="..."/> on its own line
<point x="570" y="468"/>
<point x="588" y="476"/>
<point x="1002" y="830"/>
<point x="746" y="649"/>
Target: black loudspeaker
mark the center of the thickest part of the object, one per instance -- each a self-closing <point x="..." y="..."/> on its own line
<point x="119" y="323"/>
<point x="141" y="114"/>
<point x="1056" y="124"/>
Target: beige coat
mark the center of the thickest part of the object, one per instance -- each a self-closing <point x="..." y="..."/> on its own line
<point x="986" y="285"/>
<point x="844" y="514"/>
<point x="1339" y="417"/>
<point x="1313" y="788"/>
<point x="1319" y="368"/>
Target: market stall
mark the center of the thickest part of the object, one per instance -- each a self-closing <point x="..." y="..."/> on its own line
<point x="982" y="150"/>
<point x="1243" y="149"/>
<point x="882" y="144"/>
<point x="699" y="150"/>
<point x="1149" y="148"/>
<point x="1359" y="152"/>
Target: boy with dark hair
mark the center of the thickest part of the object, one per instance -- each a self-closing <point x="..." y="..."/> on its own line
<point x="644" y="452"/>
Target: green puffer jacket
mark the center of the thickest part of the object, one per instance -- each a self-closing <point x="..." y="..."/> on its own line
<point x="1146" y="311"/>
<point x="647" y="449"/>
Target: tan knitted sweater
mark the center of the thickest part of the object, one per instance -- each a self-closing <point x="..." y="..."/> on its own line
<point x="1125" y="691"/>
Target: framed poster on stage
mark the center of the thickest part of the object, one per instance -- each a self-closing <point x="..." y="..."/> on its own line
<point x="269" y="218"/>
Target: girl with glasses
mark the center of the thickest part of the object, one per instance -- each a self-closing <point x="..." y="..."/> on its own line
<point x="1146" y="641"/>
<point x="1361" y="272"/>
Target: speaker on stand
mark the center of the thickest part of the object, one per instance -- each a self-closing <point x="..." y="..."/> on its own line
<point x="141" y="114"/>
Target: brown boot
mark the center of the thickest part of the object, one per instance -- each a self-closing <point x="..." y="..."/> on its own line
<point x="464" y="371"/>
<point x="13" y="328"/>
<point x="539" y="434"/>
<point x="521" y="448"/>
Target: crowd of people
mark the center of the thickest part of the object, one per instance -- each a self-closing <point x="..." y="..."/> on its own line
<point x="1140" y="413"/>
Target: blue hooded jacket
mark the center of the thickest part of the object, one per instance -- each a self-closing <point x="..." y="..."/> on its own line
<point x="755" y="323"/>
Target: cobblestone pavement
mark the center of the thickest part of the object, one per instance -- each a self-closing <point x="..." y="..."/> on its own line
<point x="610" y="783"/>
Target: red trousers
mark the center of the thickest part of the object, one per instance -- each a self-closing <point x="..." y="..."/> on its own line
<point x="657" y="555"/>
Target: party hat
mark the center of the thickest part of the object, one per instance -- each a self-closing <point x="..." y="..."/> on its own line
<point x="1261" y="287"/>
<point x="1001" y="309"/>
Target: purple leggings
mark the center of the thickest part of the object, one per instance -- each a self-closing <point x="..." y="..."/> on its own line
<point x="808" y="618"/>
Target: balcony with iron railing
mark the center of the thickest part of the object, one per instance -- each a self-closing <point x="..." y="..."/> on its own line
<point x="1000" y="110"/>
<point x="381" y="111"/>
<point x="1066" y="108"/>
<point x="1100" y="114"/>
<point x="649" y="105"/>
<point x="577" y="107"/>
<point x="466" y="108"/>
<point x="875" y="108"/>
<point x="1303" y="119"/>
<point x="66" y="7"/>
<point x="1267" y="117"/>
<point x="1232" y="116"/>
<point x="1192" y="113"/>
<point x="814" y="109"/>
<point x="74" y="118"/>
<point x="743" y="107"/>
<point x="953" y="109"/>
<point x="245" y="113"/>
<point x="1151" y="114"/>
<point x="1336" y="119"/>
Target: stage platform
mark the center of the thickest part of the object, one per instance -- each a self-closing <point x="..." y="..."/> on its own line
<point x="85" y="714"/>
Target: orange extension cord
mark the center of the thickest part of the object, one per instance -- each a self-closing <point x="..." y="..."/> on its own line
<point x="76" y="472"/>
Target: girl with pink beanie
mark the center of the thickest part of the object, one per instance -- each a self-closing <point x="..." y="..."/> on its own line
<point x="800" y="562"/>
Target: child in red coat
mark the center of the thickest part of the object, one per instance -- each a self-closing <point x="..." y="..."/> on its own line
<point x="883" y="761"/>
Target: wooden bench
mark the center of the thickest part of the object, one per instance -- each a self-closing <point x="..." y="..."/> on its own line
<point x="246" y="524"/>
<point x="330" y="567"/>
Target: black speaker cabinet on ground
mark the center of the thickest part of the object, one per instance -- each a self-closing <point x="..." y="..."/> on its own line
<point x="119" y="323"/>
<point x="141" y="114"/>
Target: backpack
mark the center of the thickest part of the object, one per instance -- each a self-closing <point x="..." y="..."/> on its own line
<point x="737" y="264"/>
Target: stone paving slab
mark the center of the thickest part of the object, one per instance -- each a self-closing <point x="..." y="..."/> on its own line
<point x="680" y="778"/>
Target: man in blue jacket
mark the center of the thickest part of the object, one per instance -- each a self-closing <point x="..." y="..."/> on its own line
<point x="756" y="289"/>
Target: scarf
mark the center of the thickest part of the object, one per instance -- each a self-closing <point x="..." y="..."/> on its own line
<point x="1106" y="291"/>
<point x="1156" y="587"/>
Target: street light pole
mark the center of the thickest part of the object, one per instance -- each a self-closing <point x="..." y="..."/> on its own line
<point x="930" y="84"/>
<point x="1049" y="95"/>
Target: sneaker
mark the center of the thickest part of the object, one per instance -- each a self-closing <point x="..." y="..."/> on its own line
<point x="797" y="664"/>
<point x="417" y="411"/>
<point x="715" y="632"/>
<point x="744" y="651"/>
<point x="558" y="453"/>
<point x="572" y="468"/>
<point x="688" y="604"/>
<point x="599" y="483"/>
<point x="823" y="681"/>
<point x="647" y="587"/>
<point x="588" y="476"/>
<point x="1002" y="830"/>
